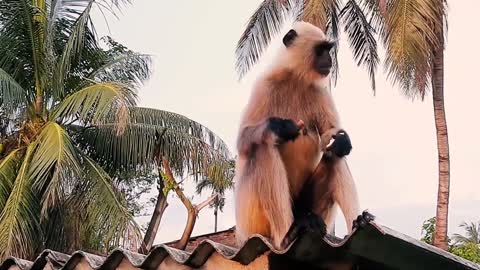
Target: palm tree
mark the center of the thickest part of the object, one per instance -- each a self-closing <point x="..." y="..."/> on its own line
<point x="218" y="183"/>
<point x="164" y="141"/>
<point x="329" y="15"/>
<point x="413" y="34"/>
<point x="54" y="80"/>
<point x="473" y="234"/>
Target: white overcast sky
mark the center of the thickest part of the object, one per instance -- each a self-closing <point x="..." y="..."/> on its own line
<point x="394" y="159"/>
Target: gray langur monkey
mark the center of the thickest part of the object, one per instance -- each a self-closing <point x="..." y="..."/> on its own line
<point x="288" y="172"/>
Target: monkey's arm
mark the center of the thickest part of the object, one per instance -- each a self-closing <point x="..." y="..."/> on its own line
<point x="271" y="131"/>
<point x="250" y="136"/>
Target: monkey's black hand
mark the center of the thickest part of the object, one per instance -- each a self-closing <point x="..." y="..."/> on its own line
<point x="341" y="145"/>
<point x="362" y="220"/>
<point x="284" y="129"/>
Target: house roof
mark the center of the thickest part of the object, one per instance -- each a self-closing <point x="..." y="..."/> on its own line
<point x="225" y="237"/>
<point x="372" y="247"/>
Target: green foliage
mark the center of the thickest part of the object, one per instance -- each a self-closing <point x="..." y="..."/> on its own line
<point x="218" y="180"/>
<point x="469" y="251"/>
<point x="467" y="247"/>
<point x="151" y="134"/>
<point x="167" y="185"/>
<point x="428" y="230"/>
<point x="56" y="80"/>
<point x="133" y="186"/>
<point x="75" y="126"/>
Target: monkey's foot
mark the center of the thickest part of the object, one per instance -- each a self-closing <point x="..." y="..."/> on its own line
<point x="341" y="146"/>
<point x="362" y="220"/>
<point x="284" y="129"/>
<point x="304" y="223"/>
<point x="311" y="223"/>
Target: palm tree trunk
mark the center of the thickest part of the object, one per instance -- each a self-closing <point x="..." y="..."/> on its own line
<point x="157" y="215"/>
<point x="192" y="218"/>
<point x="38" y="104"/>
<point x="215" y="213"/>
<point x="186" y="202"/>
<point x="440" y="236"/>
<point x="191" y="209"/>
<point x="187" y="232"/>
<point x="152" y="229"/>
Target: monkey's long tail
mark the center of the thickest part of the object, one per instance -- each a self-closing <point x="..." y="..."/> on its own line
<point x="266" y="188"/>
<point x="346" y="192"/>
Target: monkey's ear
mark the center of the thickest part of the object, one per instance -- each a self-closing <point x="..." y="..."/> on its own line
<point x="289" y="38"/>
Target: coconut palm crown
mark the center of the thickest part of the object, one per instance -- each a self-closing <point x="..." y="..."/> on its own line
<point x="55" y="78"/>
<point x="70" y="130"/>
<point x="329" y="15"/>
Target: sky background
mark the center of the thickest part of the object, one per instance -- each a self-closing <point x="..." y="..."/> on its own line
<point x="394" y="157"/>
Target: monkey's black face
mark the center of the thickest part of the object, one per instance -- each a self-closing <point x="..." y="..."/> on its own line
<point x="323" y="61"/>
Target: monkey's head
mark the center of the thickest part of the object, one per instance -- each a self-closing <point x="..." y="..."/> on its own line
<point x="307" y="51"/>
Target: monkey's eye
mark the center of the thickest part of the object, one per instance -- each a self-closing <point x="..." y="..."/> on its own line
<point x="324" y="46"/>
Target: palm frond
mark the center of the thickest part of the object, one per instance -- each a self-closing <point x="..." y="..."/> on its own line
<point x="72" y="9"/>
<point x="54" y="165"/>
<point x="317" y="12"/>
<point x="265" y="22"/>
<point x="472" y="234"/>
<point x="176" y="122"/>
<point x="409" y="39"/>
<point x="376" y="13"/>
<point x="8" y="172"/>
<point x="19" y="224"/>
<point x="94" y="103"/>
<point x="21" y="53"/>
<point x="68" y="9"/>
<point x="105" y="207"/>
<point x="219" y="177"/>
<point x="72" y="50"/>
<point x="112" y="6"/>
<point x="141" y="144"/>
<point x="333" y="31"/>
<point x="35" y="20"/>
<point x="129" y="68"/>
<point x="12" y="94"/>
<point x="325" y="15"/>
<point x="184" y="142"/>
<point x="58" y="227"/>
<point x="361" y="37"/>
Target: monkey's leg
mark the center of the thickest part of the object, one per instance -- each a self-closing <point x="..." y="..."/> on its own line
<point x="308" y="207"/>
<point x="304" y="222"/>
